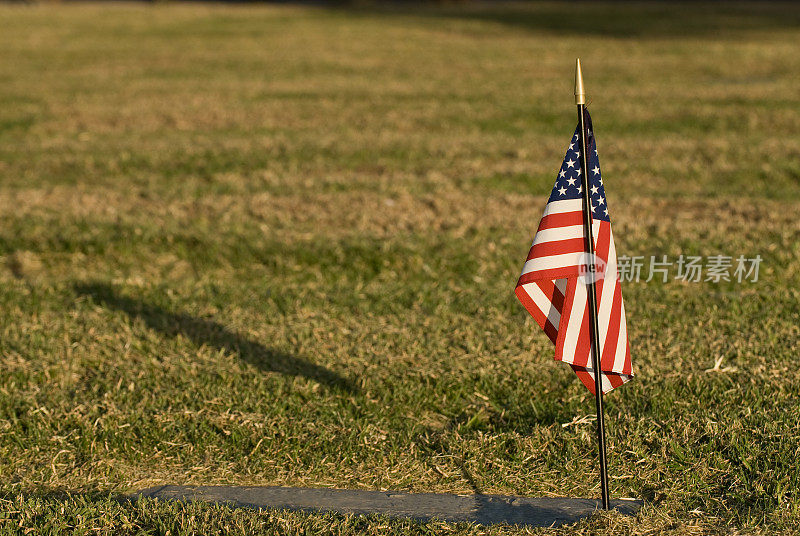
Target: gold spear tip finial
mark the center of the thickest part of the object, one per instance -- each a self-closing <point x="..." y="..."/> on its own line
<point x="580" y="95"/>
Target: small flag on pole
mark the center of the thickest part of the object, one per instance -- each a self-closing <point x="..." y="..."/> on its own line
<point x="555" y="280"/>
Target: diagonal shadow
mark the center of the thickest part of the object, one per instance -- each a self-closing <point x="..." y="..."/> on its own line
<point x="202" y="331"/>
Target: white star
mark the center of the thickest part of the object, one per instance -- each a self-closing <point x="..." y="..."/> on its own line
<point x="576" y="137"/>
<point x="601" y="200"/>
<point x="562" y="174"/>
<point x="596" y="170"/>
<point x="571" y="145"/>
<point x="594" y="208"/>
<point x="579" y="172"/>
<point x="580" y="189"/>
<point x="594" y="189"/>
<point x="571" y="181"/>
<point x="577" y="154"/>
<point x="562" y="191"/>
<point x="606" y="212"/>
<point x="570" y="163"/>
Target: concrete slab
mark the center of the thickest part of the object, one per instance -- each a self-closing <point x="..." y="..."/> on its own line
<point x="482" y="509"/>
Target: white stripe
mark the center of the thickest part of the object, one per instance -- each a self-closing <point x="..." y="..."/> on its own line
<point x="555" y="234"/>
<point x="605" y="384"/>
<point x="574" y="321"/>
<point x="622" y="342"/>
<point x="552" y="261"/>
<point x="565" y="205"/>
<point x="596" y="232"/>
<point x="561" y="284"/>
<point x="543" y="303"/>
<point x="607" y="297"/>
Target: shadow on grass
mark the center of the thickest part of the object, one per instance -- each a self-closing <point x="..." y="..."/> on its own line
<point x="610" y="19"/>
<point x="202" y="331"/>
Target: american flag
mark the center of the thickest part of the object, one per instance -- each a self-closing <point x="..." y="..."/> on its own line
<point x="553" y="284"/>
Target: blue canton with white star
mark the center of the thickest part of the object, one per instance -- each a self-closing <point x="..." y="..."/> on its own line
<point x="569" y="184"/>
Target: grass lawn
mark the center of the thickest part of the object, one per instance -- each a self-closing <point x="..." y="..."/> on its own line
<point x="277" y="245"/>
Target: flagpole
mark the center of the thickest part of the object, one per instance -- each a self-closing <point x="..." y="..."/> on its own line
<point x="580" y="101"/>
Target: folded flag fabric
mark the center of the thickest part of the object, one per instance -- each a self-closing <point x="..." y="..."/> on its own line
<point x="553" y="284"/>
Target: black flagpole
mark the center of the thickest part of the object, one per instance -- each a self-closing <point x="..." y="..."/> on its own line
<point x="580" y="101"/>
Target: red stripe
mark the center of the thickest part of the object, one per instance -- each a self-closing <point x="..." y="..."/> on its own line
<point x="553" y="296"/>
<point x="627" y="368"/>
<point x="564" y="272"/>
<point x="530" y="306"/>
<point x="553" y="293"/>
<point x="569" y="297"/>
<point x="585" y="378"/>
<point x="603" y="241"/>
<point x="582" y="348"/>
<point x="615" y="380"/>
<point x="556" y="300"/>
<point x="556" y="247"/>
<point x="602" y="249"/>
<point x="551" y="331"/>
<point x="603" y="244"/>
<point x="562" y="219"/>
<point x="609" y="352"/>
